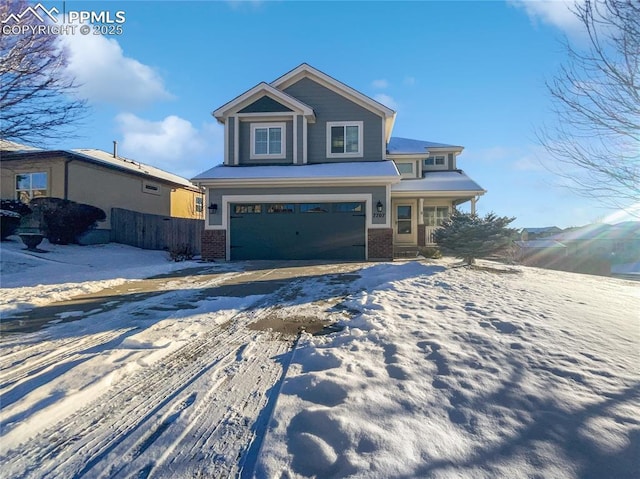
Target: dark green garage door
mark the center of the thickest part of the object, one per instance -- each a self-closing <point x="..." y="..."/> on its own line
<point x="298" y="231"/>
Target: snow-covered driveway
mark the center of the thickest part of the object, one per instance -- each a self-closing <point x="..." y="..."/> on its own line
<point x="168" y="381"/>
<point x="436" y="372"/>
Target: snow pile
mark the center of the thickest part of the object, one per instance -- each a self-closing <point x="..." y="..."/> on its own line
<point x="59" y="272"/>
<point x="465" y="373"/>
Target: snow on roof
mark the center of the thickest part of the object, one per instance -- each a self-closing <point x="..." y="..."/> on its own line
<point x="352" y="170"/>
<point x="440" y="181"/>
<point x="6" y="145"/>
<point x="133" y="166"/>
<point x="408" y="146"/>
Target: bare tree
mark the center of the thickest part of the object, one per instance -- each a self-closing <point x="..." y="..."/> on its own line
<point x="596" y="143"/>
<point x="38" y="99"/>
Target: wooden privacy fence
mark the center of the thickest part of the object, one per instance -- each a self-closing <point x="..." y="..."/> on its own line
<point x="155" y="231"/>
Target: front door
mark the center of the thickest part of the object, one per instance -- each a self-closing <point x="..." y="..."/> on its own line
<point x="405" y="223"/>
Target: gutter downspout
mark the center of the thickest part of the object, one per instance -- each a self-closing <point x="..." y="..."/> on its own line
<point x="66" y="177"/>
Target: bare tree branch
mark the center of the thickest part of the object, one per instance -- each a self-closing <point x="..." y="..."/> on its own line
<point x="596" y="101"/>
<point x="38" y="99"/>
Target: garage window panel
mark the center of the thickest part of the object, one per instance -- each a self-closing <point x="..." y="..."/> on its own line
<point x="315" y="208"/>
<point x="281" y="208"/>
<point x="247" y="209"/>
<point x="348" y="207"/>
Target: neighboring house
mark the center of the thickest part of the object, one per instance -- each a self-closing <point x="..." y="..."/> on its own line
<point x="619" y="242"/>
<point x="309" y="173"/>
<point x="98" y="178"/>
<point x="528" y="234"/>
<point x="597" y="249"/>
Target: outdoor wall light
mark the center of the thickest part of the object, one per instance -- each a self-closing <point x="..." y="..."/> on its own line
<point x="213" y="208"/>
<point x="379" y="206"/>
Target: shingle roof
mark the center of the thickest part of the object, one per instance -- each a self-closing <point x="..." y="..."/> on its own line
<point x="408" y="146"/>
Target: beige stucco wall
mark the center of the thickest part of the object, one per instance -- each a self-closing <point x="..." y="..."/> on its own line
<point x="106" y="189"/>
<point x="54" y="168"/>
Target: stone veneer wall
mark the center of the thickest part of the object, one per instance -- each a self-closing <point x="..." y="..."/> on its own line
<point x="380" y="241"/>
<point x="214" y="245"/>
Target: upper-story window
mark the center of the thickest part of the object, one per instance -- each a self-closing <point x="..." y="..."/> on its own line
<point x="407" y="170"/>
<point x="439" y="160"/>
<point x="267" y="140"/>
<point x="344" y="139"/>
<point x="31" y="185"/>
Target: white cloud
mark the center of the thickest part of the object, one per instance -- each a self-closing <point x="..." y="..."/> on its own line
<point x="409" y="81"/>
<point x="386" y="100"/>
<point x="172" y="144"/>
<point x="380" y="84"/>
<point x="557" y="13"/>
<point x="105" y="75"/>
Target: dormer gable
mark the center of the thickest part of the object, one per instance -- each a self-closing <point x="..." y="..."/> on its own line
<point x="264" y="99"/>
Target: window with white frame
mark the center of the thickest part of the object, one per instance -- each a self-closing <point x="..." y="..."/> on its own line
<point x="344" y="139"/>
<point x="268" y="140"/>
<point x="435" y="215"/>
<point x="406" y="169"/>
<point x="437" y="160"/>
<point x="31" y="185"/>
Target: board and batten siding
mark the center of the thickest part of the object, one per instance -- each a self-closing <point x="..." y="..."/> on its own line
<point x="330" y="106"/>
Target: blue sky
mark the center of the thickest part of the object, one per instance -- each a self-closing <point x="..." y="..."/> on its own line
<point x="465" y="73"/>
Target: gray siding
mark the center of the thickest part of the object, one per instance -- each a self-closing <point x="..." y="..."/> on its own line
<point x="378" y="194"/>
<point x="230" y="139"/>
<point x="300" y="139"/>
<point x="264" y="105"/>
<point x="329" y="106"/>
<point x="245" y="145"/>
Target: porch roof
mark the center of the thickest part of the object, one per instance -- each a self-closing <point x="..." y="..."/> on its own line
<point x="379" y="171"/>
<point x="440" y="182"/>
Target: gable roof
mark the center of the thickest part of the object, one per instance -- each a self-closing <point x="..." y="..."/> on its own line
<point x="106" y="160"/>
<point x="407" y="146"/>
<point x="258" y="91"/>
<point x="307" y="71"/>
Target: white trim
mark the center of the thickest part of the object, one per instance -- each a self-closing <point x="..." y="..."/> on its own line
<point x="263" y="89"/>
<point x="304" y="140"/>
<point x="413" y="237"/>
<point x="345" y="124"/>
<point x="226" y="142"/>
<point x="236" y="140"/>
<point x="283" y="141"/>
<point x="295" y="140"/>
<point x="412" y="174"/>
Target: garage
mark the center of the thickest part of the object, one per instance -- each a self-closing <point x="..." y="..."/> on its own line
<point x="298" y="231"/>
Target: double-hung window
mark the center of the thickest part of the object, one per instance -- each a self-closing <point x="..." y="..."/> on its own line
<point x="344" y="139"/>
<point x="268" y="140"/>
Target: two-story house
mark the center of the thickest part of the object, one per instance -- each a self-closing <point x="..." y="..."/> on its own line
<point x="311" y="172"/>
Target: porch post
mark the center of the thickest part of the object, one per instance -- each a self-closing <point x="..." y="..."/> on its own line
<point x="473" y="205"/>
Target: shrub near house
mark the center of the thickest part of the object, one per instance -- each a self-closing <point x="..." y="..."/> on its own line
<point x="11" y="212"/>
<point x="63" y="221"/>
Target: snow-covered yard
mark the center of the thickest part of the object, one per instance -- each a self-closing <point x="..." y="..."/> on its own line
<point x="437" y="371"/>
